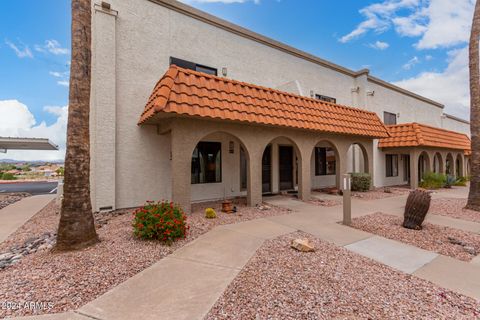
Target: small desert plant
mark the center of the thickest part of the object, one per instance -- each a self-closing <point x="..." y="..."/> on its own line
<point x="416" y="209"/>
<point x="461" y="182"/>
<point x="433" y="180"/>
<point x="210" y="213"/>
<point x="162" y="221"/>
<point x="361" y="181"/>
<point x="450" y="181"/>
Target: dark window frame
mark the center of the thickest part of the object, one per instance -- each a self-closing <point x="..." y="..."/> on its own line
<point x="205" y="148"/>
<point x="322" y="164"/>
<point x="193" y="66"/>
<point x="325" y="98"/>
<point x="389" y="118"/>
<point x="391" y="162"/>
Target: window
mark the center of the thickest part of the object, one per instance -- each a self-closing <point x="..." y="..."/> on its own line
<point x="325" y="98"/>
<point x="325" y="163"/>
<point x="389" y="118"/>
<point x="192" y="66"/>
<point x="207" y="163"/>
<point x="392" y="165"/>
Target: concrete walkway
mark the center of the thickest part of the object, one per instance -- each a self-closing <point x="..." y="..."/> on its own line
<point x="186" y="284"/>
<point x="15" y="215"/>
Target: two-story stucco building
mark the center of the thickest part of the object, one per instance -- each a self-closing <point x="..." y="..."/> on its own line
<point x="189" y="107"/>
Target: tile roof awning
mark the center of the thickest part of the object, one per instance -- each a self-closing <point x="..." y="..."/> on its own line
<point x="186" y="92"/>
<point x="420" y="135"/>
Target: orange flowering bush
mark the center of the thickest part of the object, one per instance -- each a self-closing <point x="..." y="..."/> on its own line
<point x="164" y="221"/>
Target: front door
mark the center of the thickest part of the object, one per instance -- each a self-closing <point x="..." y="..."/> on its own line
<point x="267" y="170"/>
<point x="285" y="158"/>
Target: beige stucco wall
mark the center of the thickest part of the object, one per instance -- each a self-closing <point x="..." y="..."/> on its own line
<point x="456" y="125"/>
<point x="132" y="45"/>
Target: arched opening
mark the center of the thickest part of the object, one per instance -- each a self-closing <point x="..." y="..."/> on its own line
<point x="281" y="164"/>
<point x="449" y="164"/>
<point x="437" y="163"/>
<point x="468" y="168"/>
<point x="423" y="165"/>
<point x="219" y="167"/>
<point x="459" y="166"/>
<point x="325" y="166"/>
<point x="357" y="158"/>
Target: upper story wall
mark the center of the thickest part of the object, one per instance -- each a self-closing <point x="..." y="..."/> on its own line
<point x="407" y="108"/>
<point x="148" y="34"/>
<point x="455" y="124"/>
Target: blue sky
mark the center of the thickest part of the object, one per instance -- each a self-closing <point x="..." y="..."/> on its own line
<point x="417" y="44"/>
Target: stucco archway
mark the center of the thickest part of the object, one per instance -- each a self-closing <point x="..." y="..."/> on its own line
<point x="423" y="165"/>
<point x="281" y="165"/>
<point x="459" y="172"/>
<point x="325" y="165"/>
<point x="449" y="164"/>
<point x="438" y="163"/>
<point x="219" y="167"/>
<point x="358" y="160"/>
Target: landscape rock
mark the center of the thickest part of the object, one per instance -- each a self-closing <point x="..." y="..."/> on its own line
<point x="302" y="245"/>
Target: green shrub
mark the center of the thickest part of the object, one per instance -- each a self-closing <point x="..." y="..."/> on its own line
<point x="162" y="221"/>
<point x="210" y="213"/>
<point x="461" y="182"/>
<point x="433" y="180"/>
<point x="8" y="176"/>
<point x="361" y="181"/>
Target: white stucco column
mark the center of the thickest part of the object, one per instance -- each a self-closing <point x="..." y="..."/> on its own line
<point x="414" y="169"/>
<point x="305" y="174"/>
<point x="180" y="163"/>
<point x="103" y="109"/>
<point x="254" y="178"/>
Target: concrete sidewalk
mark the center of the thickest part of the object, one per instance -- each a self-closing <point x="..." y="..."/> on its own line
<point x="15" y="215"/>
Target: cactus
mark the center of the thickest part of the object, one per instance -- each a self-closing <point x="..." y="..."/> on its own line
<point x="210" y="213"/>
<point x="416" y="209"/>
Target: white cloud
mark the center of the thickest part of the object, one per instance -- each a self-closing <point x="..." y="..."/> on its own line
<point x="378" y="17"/>
<point x="52" y="46"/>
<point x="438" y="23"/>
<point x="449" y="24"/>
<point x="451" y="86"/>
<point x="411" y="63"/>
<point x="21" y="50"/>
<point x="379" y="45"/>
<point x="64" y="83"/>
<point x="16" y="120"/>
<point x="62" y="77"/>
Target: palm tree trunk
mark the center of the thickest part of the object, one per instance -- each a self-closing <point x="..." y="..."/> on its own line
<point x="76" y="229"/>
<point x="474" y="195"/>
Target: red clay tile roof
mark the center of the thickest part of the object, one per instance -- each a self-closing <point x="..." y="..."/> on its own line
<point x="187" y="92"/>
<point x="415" y="135"/>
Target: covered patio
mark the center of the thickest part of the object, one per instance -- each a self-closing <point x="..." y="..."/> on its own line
<point x="427" y="149"/>
<point x="229" y="138"/>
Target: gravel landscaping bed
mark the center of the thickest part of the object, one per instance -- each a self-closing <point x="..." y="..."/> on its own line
<point x="382" y="193"/>
<point x="325" y="202"/>
<point x="454" y="208"/>
<point x="10" y="198"/>
<point x="448" y="241"/>
<point x="69" y="280"/>
<point x="332" y="283"/>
